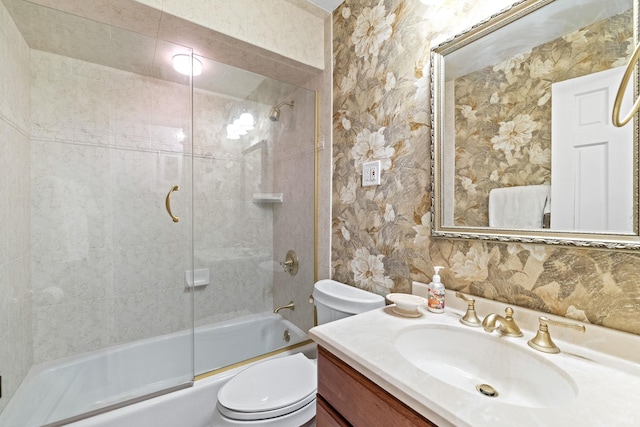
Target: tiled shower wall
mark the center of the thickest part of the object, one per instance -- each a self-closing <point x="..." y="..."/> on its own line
<point x="103" y="150"/>
<point x="108" y="262"/>
<point x="294" y="154"/>
<point x="15" y="247"/>
<point x="232" y="234"/>
<point x="106" y="257"/>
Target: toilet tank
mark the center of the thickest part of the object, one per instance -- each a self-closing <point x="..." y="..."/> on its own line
<point x="335" y="300"/>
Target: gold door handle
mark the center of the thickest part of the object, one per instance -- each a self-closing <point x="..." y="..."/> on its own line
<point x="623" y="86"/>
<point x="168" y="203"/>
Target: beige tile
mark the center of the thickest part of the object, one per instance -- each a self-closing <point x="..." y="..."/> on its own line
<point x="96" y="10"/>
<point x="134" y="17"/>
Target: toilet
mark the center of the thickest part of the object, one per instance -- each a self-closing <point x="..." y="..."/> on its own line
<point x="282" y="391"/>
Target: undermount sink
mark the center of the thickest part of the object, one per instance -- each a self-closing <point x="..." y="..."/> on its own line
<point x="487" y="365"/>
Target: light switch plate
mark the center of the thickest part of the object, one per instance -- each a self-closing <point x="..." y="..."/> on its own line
<point x="371" y="173"/>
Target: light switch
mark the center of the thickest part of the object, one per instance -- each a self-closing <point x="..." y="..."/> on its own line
<point x="371" y="173"/>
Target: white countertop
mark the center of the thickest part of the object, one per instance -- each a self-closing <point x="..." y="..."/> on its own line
<point x="608" y="386"/>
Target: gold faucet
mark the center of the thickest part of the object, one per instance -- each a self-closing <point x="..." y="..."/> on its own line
<point x="543" y="342"/>
<point x="290" y="306"/>
<point x="505" y="325"/>
<point x="470" y="318"/>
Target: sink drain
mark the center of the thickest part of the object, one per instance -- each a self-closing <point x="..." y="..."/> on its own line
<point x="487" y="390"/>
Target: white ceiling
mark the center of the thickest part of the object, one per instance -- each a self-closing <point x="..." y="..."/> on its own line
<point x="132" y="46"/>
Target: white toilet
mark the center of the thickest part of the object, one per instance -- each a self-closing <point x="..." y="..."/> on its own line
<point x="282" y="392"/>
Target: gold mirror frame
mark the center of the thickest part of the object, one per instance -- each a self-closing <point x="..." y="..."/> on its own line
<point x="630" y="242"/>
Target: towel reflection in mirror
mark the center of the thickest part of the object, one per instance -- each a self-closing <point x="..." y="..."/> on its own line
<point x="519" y="207"/>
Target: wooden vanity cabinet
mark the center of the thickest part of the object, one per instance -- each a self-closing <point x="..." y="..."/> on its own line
<point x="347" y="398"/>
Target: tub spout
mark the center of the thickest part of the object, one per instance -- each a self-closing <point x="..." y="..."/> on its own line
<point x="290" y="306"/>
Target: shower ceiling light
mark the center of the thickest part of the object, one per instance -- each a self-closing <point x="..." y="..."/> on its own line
<point x="182" y="64"/>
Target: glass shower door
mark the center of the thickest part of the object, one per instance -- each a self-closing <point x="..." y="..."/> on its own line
<point x="112" y="318"/>
<point x="254" y="171"/>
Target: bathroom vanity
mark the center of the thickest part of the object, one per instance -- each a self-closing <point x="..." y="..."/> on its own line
<point x="346" y="397"/>
<point x="378" y="368"/>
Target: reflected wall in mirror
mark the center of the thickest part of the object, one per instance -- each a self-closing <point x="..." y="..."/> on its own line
<point x="524" y="148"/>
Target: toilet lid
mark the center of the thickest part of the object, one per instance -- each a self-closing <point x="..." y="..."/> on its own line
<point x="276" y="387"/>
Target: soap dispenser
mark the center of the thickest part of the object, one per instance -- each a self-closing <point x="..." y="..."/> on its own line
<point x="436" y="293"/>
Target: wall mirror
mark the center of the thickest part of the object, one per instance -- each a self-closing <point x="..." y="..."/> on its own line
<point x="523" y="143"/>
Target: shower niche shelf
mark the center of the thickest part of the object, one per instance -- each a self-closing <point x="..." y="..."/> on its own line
<point x="268" y="198"/>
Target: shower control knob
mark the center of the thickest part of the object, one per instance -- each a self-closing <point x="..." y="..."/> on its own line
<point x="290" y="264"/>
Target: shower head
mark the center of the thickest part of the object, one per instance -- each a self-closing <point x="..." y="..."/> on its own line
<point x="274" y="114"/>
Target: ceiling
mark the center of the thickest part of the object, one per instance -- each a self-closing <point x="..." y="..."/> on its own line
<point x="130" y="36"/>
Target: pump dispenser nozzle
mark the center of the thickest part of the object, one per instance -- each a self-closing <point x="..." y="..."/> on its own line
<point x="436" y="277"/>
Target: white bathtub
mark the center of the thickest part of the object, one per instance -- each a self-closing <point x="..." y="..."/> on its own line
<point x="65" y="388"/>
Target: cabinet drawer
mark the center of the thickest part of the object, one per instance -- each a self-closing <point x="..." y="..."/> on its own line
<point x="326" y="416"/>
<point x="360" y="401"/>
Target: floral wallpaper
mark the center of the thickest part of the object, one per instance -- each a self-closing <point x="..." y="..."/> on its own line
<point x="380" y="234"/>
<point x="497" y="101"/>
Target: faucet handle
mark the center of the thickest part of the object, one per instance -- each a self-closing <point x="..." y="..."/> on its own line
<point x="510" y="328"/>
<point x="290" y="264"/>
<point x="470" y="318"/>
<point x="543" y="342"/>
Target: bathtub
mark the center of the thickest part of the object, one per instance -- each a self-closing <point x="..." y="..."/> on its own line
<point x="93" y="381"/>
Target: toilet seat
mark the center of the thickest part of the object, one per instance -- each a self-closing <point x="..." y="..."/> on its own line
<point x="269" y="389"/>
